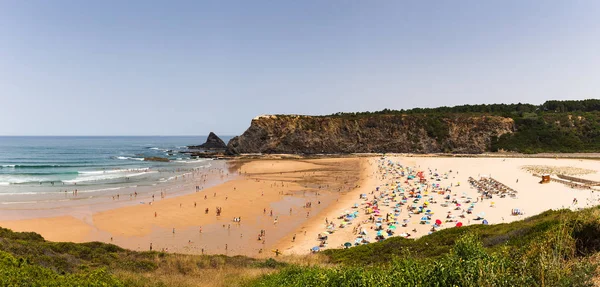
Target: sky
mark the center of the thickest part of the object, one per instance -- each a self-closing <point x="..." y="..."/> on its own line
<point x="191" y="67"/>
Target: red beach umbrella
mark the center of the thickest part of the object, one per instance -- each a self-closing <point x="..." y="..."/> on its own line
<point x="459" y="224"/>
<point x="438" y="222"/>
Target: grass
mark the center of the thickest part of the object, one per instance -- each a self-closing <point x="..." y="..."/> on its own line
<point x="555" y="248"/>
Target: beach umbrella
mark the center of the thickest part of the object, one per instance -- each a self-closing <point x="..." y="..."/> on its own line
<point x="315" y="249"/>
<point x="482" y="214"/>
<point x="438" y="222"/>
<point x="459" y="224"/>
<point x="379" y="233"/>
<point x="392" y="227"/>
<point x="424" y="218"/>
<point x="347" y="244"/>
<point x="485" y="222"/>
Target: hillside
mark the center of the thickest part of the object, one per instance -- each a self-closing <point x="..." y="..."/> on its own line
<point x="555" y="126"/>
<point x="556" y="248"/>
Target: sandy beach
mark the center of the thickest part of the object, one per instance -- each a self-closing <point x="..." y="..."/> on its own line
<point x="385" y="208"/>
<point x="287" y="204"/>
<point x="267" y="195"/>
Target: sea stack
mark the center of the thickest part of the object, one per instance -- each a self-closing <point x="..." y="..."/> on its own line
<point x="213" y="142"/>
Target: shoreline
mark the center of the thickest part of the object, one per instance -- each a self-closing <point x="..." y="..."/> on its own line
<point x="331" y="185"/>
<point x="288" y="184"/>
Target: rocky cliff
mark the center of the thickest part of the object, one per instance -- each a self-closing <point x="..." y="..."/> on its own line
<point x="373" y="133"/>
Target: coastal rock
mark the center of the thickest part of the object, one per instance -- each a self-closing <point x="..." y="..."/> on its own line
<point x="212" y="142"/>
<point x="370" y="134"/>
<point x="156" y="158"/>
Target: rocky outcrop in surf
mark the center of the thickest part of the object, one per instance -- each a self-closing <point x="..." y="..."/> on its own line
<point x="213" y="142"/>
<point x="156" y="158"/>
<point x="370" y="133"/>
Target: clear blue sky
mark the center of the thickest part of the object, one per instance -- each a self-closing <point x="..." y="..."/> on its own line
<point x="190" y="67"/>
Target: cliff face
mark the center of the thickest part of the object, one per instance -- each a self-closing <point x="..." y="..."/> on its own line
<point x="376" y="133"/>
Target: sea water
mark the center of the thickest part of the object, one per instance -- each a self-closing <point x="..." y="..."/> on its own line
<point x="41" y="165"/>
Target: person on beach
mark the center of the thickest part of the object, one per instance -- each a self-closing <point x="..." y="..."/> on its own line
<point x="150" y="246"/>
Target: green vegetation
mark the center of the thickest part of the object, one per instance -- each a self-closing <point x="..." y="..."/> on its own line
<point x="551" y="249"/>
<point x="555" y="126"/>
<point x="555" y="248"/>
<point x="26" y="259"/>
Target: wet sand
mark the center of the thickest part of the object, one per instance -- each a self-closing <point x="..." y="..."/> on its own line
<point x="180" y="223"/>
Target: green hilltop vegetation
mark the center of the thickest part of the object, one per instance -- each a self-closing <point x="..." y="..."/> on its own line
<point x="554" y="126"/>
<point x="555" y="248"/>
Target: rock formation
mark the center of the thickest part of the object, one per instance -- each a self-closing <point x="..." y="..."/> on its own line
<point x="372" y="133"/>
<point x="156" y="158"/>
<point x="212" y="142"/>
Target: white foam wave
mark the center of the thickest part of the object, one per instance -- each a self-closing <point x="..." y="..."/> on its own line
<point x="9" y="165"/>
<point x="106" y="176"/>
<point x="131" y="158"/>
<point x="111" y="171"/>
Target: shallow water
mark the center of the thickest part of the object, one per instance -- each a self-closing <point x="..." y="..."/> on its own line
<point x="47" y="166"/>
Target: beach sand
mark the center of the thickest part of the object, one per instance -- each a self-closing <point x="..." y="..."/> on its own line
<point x="174" y="223"/>
<point x="254" y="188"/>
<point x="532" y="198"/>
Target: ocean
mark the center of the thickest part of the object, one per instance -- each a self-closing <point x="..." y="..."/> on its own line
<point x="30" y="165"/>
